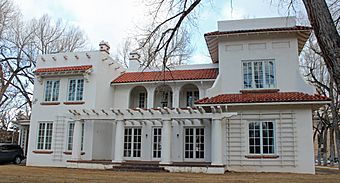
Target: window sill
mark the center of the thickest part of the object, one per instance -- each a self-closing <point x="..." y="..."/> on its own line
<point x="262" y="156"/>
<point x="74" y="103"/>
<point x="70" y="153"/>
<point x="42" y="152"/>
<point x="49" y="103"/>
<point x="259" y="91"/>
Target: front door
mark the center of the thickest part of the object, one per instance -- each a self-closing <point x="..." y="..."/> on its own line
<point x="132" y="143"/>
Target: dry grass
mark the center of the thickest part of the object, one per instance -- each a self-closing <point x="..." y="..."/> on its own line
<point x="13" y="173"/>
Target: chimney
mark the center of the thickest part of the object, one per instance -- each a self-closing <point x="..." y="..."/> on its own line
<point x="104" y="47"/>
<point x="134" y="61"/>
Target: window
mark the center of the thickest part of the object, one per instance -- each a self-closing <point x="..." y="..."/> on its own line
<point x="258" y="74"/>
<point x="194" y="143"/>
<point x="157" y="136"/>
<point x="75" y="90"/>
<point x="142" y="99"/>
<point x="132" y="142"/>
<point x="52" y="90"/>
<point x="261" y="138"/>
<point x="70" y="136"/>
<point x="45" y="135"/>
<point x="192" y="96"/>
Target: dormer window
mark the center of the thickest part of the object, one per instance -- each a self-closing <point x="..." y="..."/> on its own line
<point x="52" y="90"/>
<point x="258" y="74"/>
<point x="75" y="90"/>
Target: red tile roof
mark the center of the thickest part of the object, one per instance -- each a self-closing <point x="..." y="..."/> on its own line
<point x="262" y="98"/>
<point x="60" y="69"/>
<point x="197" y="74"/>
<point x="295" y="28"/>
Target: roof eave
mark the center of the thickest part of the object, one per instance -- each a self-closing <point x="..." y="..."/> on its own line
<point x="268" y="103"/>
<point x="157" y="81"/>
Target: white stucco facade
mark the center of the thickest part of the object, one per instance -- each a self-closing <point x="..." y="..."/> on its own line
<point x="147" y="119"/>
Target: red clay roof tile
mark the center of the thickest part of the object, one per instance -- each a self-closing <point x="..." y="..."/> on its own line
<point x="197" y="74"/>
<point x="262" y="98"/>
<point x="59" y="69"/>
<point x="295" y="28"/>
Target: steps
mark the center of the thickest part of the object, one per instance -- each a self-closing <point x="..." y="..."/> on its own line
<point x="139" y="167"/>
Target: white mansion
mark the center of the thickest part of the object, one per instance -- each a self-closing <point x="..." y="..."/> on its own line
<point x="249" y="110"/>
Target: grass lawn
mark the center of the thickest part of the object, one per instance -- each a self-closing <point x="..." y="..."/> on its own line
<point x="14" y="173"/>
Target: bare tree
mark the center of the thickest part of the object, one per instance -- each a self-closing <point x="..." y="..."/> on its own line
<point x="317" y="74"/>
<point x="20" y="43"/>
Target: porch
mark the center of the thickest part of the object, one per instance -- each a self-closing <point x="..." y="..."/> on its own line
<point x="176" y="140"/>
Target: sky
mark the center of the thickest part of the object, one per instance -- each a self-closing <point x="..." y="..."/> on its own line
<point x="114" y="21"/>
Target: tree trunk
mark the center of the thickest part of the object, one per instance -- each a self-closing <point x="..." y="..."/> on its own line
<point x="319" y="148"/>
<point x="335" y="119"/>
<point x="331" y="146"/>
<point x="325" y="147"/>
<point x="327" y="36"/>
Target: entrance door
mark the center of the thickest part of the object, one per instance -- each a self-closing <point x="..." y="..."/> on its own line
<point x="194" y="143"/>
<point x="156" y="142"/>
<point x="132" y="143"/>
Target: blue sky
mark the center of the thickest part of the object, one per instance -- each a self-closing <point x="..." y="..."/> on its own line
<point x="113" y="21"/>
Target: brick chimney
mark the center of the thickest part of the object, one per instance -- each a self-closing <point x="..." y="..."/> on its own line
<point x="104" y="47"/>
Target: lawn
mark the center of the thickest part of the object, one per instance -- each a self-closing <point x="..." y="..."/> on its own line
<point x="13" y="173"/>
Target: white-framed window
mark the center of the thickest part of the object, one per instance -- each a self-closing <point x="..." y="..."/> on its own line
<point x="45" y="135"/>
<point x="156" y="142"/>
<point x="192" y="96"/>
<point x="258" y="74"/>
<point x="194" y="143"/>
<point x="75" y="89"/>
<point x="132" y="142"/>
<point x="142" y="100"/>
<point x="52" y="90"/>
<point x="261" y="137"/>
<point x="70" y="136"/>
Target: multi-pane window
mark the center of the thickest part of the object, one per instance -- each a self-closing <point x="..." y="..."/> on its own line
<point x="70" y="136"/>
<point x="52" y="90"/>
<point x="192" y="96"/>
<point x="194" y="143"/>
<point x="261" y="138"/>
<point x="75" y="90"/>
<point x="157" y="135"/>
<point x="142" y="100"/>
<point x="45" y="135"/>
<point x="258" y="74"/>
<point x="132" y="142"/>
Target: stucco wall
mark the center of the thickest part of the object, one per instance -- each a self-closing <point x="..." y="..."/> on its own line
<point x="293" y="140"/>
<point x="281" y="47"/>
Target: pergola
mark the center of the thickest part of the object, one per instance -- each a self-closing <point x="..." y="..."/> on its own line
<point x="165" y="116"/>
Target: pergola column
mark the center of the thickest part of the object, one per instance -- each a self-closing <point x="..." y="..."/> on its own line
<point x="119" y="142"/>
<point x="175" y="97"/>
<point x="150" y="97"/>
<point x="216" y="142"/>
<point x="166" y="142"/>
<point x="76" y="144"/>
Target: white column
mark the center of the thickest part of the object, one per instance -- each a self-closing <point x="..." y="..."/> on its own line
<point x="175" y="97"/>
<point x="166" y="142"/>
<point x="216" y="142"/>
<point x="76" y="144"/>
<point x="119" y="141"/>
<point x="150" y="97"/>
